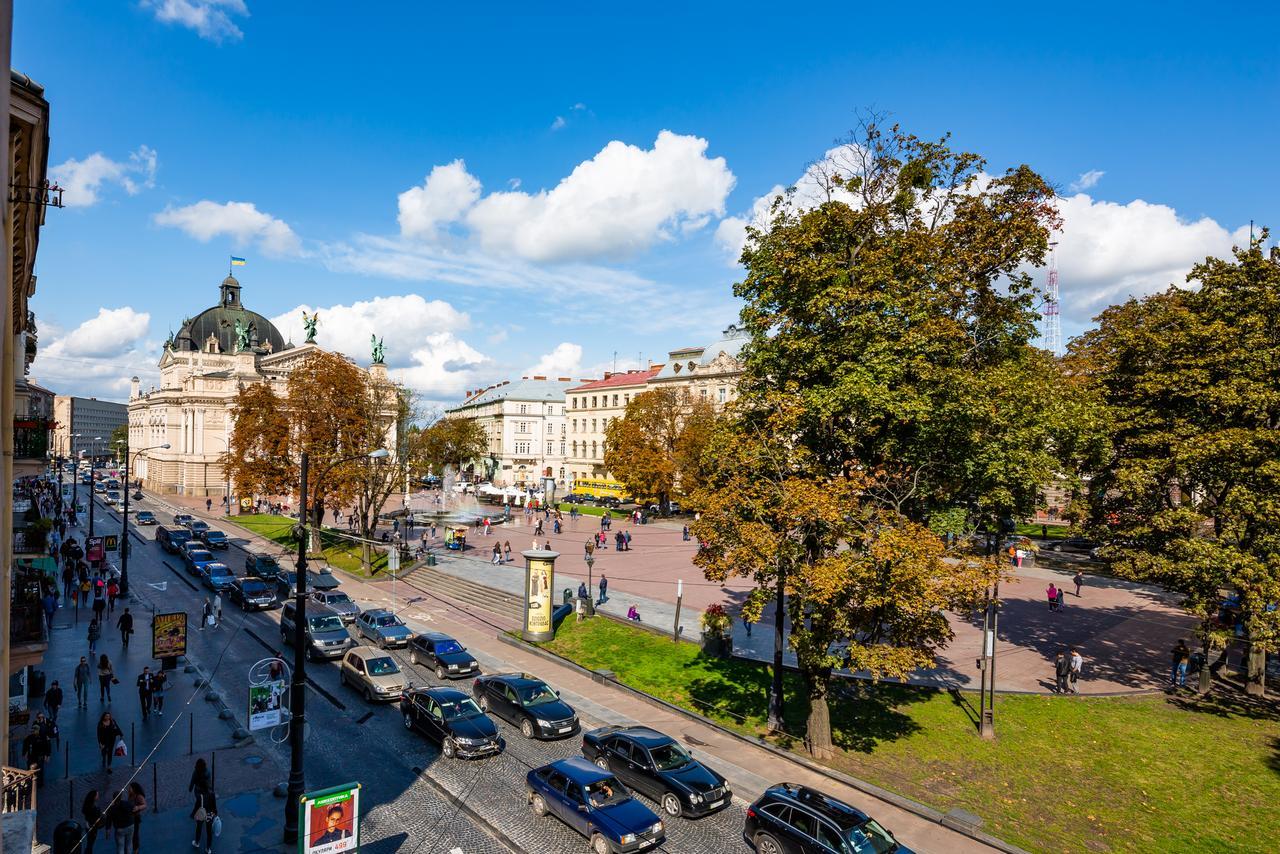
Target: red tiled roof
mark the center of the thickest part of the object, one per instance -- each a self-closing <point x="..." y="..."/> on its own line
<point x="620" y="379"/>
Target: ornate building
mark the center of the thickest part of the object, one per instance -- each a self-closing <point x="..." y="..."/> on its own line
<point x="709" y="372"/>
<point x="589" y="409"/>
<point x="202" y="369"/>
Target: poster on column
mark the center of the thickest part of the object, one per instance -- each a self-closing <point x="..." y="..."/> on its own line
<point x="169" y="634"/>
<point x="330" y="820"/>
<point x="540" y="579"/>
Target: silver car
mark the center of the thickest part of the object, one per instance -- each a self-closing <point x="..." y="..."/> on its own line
<point x="383" y="628"/>
<point x="339" y="602"/>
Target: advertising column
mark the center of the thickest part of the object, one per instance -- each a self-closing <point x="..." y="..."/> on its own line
<point x="539" y="581"/>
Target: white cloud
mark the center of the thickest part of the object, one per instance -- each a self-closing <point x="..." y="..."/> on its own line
<point x="565" y="360"/>
<point x="445" y="194"/>
<point x="211" y="19"/>
<point x="620" y="202"/>
<point x="110" y="332"/>
<point x="1086" y="180"/>
<point x="422" y="348"/>
<point x="98" y="357"/>
<point x="241" y="221"/>
<point x="84" y="179"/>
<point x="558" y="123"/>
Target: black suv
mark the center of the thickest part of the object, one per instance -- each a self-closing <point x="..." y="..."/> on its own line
<point x="449" y="658"/>
<point x="527" y="702"/>
<point x="656" y="766"/>
<point x="791" y="819"/>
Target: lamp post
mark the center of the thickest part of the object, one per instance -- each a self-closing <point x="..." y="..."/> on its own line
<point x="590" y="606"/>
<point x="298" y="689"/>
<point x="124" y="519"/>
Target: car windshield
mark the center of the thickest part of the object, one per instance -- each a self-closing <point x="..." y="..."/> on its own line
<point x="326" y="624"/>
<point x="196" y="554"/>
<point x="215" y="535"/>
<point x="218" y="569"/>
<point x="146" y="514"/>
<point x="384" y="666"/>
<point x="537" y="695"/>
<point x="387" y="620"/>
<point x="670" y="756"/>
<point x="337" y="597"/>
<point x="870" y="838"/>
<point x="254" y="588"/>
<point x="460" y="709"/>
<point x="444" y="647"/>
<point x="602" y="793"/>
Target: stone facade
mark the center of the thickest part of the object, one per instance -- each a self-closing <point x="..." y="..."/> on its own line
<point x="709" y="372"/>
<point x="589" y="409"/>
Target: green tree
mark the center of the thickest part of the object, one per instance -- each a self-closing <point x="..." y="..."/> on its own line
<point x="450" y="443"/>
<point x="655" y="449"/>
<point x="119" y="438"/>
<point x="1187" y="486"/>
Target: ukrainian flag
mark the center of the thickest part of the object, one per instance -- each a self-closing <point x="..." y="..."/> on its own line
<point x="237" y="262"/>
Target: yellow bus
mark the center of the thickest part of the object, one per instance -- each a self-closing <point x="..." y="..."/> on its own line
<point x="601" y="489"/>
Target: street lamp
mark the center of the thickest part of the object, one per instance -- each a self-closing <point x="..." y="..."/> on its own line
<point x="591" y="562"/>
<point x="124" y="520"/>
<point x="298" y="689"/>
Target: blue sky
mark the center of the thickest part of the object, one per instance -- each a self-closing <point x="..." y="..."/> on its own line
<point x="591" y="169"/>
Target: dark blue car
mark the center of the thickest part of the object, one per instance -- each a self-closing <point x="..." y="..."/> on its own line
<point x="594" y="803"/>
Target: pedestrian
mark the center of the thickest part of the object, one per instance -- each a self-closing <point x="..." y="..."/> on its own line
<point x="120" y="816"/>
<point x="206" y="614"/>
<point x="99" y="600"/>
<point x="205" y="808"/>
<point x="684" y="533"/>
<point x="217" y="608"/>
<point x="106" y="678"/>
<point x="433" y="530"/>
<point x="144" y="692"/>
<point x="81" y="683"/>
<point x="1044" y="532"/>
<point x="604" y="589"/>
<point x="36" y="749"/>
<point x="113" y="593"/>
<point x="50" y="605"/>
<point x="1079" y="580"/>
<point x="92" y="819"/>
<point x="84" y="588"/>
<point x="537" y="529"/>
<point x="94" y="632"/>
<point x="746" y="624"/>
<point x="159" y="682"/>
<point x="125" y="625"/>
<point x="53" y="700"/>
<point x="1077" y="665"/>
<point x="1062" y="669"/>
<point x="1181" y="655"/>
<point x="68" y="581"/>
<point x="1062" y="595"/>
<point x="486" y="527"/>
<point x="497" y="554"/>
<point x="1052" y="593"/>
<point x="208" y="505"/>
<point x="108" y="732"/>
<point x="138" y="806"/>
<point x="506" y="548"/>
<point x="626" y="540"/>
<point x="582" y="591"/>
<point x="555" y="526"/>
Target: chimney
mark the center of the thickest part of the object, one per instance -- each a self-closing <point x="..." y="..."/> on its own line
<point x="539" y="378"/>
<point x="564" y="379"/>
<point x="607" y="374"/>
<point x="133" y="388"/>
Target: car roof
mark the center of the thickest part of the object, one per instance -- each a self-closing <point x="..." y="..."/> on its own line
<point x="647" y="736"/>
<point x="435" y="636"/>
<point x="368" y="652"/>
<point x="214" y="563"/>
<point x="443" y="693"/>
<point x="214" y="531"/>
<point x="844" y="815"/>
<point x="580" y="771"/>
<point x="376" y="612"/>
<point x="516" y="679"/>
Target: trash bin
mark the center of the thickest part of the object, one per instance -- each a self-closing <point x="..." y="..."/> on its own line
<point x="431" y="559"/>
<point x="66" y="837"/>
<point x="568" y="596"/>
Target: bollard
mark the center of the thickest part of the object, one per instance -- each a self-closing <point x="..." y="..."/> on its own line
<point x="71" y="800"/>
<point x="133" y="745"/>
<point x="155" y="788"/>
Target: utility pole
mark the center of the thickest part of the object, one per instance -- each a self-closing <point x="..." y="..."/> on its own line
<point x="124" y="526"/>
<point x="675" y="632"/>
<point x="298" y="697"/>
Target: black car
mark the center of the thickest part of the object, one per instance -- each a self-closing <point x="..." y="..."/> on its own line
<point x="658" y="767"/>
<point x="452" y="719"/>
<point x="1079" y="545"/>
<point x="449" y="658"/>
<point x="527" y="702"/>
<point x="214" y="539"/>
<point x="144" y="517"/>
<point x="611" y="501"/>
<point x="252" y="594"/>
<point x="261" y="566"/>
<point x="787" y="819"/>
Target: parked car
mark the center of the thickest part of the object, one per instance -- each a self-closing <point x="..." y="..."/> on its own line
<point x="213" y="538"/>
<point x="286" y="584"/>
<point x="182" y="519"/>
<point x="373" y="673"/>
<point x="261" y="566"/>
<point x="322" y="579"/>
<point x="113" y="498"/>
<point x="326" y="635"/>
<point x="218" y="576"/>
<point x="197" y="527"/>
<point x="337" y="601"/>
<point x="252" y="594"/>
<point x="527" y="702"/>
<point x="144" y="517"/>
<point x="594" y="803"/>
<point x="452" y="719"/>
<point x="449" y="658"/>
<point x="1078" y="545"/>
<point x="658" y="767"/>
<point x="610" y="501"/>
<point x="788" y="818"/>
<point x="172" y="539"/>
<point x="383" y="628"/>
<point x="197" y="559"/>
<point x="99" y="486"/>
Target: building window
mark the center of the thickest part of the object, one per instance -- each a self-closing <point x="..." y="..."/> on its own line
<point x="562" y="454"/>
<point x="593" y="401"/>
<point x="593" y="425"/>
<point x="615" y="400"/>
<point x="593" y="450"/>
<point x="524" y="409"/>
<point x="574" y="445"/>
<point x="626" y="399"/>
<point x="723" y="392"/>
<point x="575" y="402"/>
<point x="549" y="452"/>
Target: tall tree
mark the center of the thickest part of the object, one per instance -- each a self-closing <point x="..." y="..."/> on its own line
<point x="655" y="448"/>
<point x="450" y="443"/>
<point x="1187" y="488"/>
<point x="892" y="321"/>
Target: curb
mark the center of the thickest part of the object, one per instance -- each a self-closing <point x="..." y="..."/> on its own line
<point x="951" y="821"/>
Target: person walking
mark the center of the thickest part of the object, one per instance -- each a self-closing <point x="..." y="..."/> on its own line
<point x="1062" y="596"/>
<point x="108" y="732"/>
<point x="106" y="678"/>
<point x="497" y="554"/>
<point x="53" y="701"/>
<point x="1052" y="593"/>
<point x="36" y="749"/>
<point x="159" y="682"/>
<point x="205" y="807"/>
<point x="94" y="632"/>
<point x="208" y="505"/>
<point x="746" y="624"/>
<point x="113" y="593"/>
<point x="626" y="540"/>
<point x="92" y="814"/>
<point x="85" y="588"/>
<point x="49" y="603"/>
<point x="120" y="817"/>
<point x="506" y="548"/>
<point x="684" y="533"/>
<point x="138" y="806"/>
<point x="1079" y="580"/>
<point x="68" y="578"/>
<point x="145" y="685"/>
<point x="1062" y="669"/>
<point x="125" y="624"/>
<point x="1077" y="665"/>
<point x="206" y="611"/>
<point x="217" y="609"/>
<point x="81" y="683"/>
<point x="604" y="589"/>
<point x="1181" y="655"/>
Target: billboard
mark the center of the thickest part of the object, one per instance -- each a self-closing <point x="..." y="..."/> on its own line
<point x="169" y="634"/>
<point x="329" y="820"/>
<point x="111" y="542"/>
<point x="93" y="549"/>
<point x="539" y="575"/>
<point x="266" y="702"/>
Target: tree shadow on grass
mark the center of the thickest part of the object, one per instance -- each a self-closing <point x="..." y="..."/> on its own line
<point x="1227" y="701"/>
<point x="865" y="715"/>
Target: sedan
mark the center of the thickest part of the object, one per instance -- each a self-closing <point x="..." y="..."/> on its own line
<point x="145" y="517"/>
<point x="218" y="576"/>
<point x="594" y="803"/>
<point x="658" y="767"/>
<point x="182" y="519"/>
<point x="197" y="527"/>
<point x="197" y="559"/>
<point x="383" y="628"/>
<point x="337" y="601"/>
<point x="214" y="539"/>
<point x="527" y="702"/>
<point x="252" y="594"/>
<point x="1079" y="545"/>
<point x="449" y="658"/>
<point x="374" y="674"/>
<point x="452" y="719"/>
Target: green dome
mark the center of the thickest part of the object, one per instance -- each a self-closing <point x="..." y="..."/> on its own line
<point x="220" y="322"/>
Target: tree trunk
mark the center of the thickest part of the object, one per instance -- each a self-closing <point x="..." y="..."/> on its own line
<point x="1206" y="676"/>
<point x="1255" y="678"/>
<point x="818" y="729"/>
<point x="317" y="514"/>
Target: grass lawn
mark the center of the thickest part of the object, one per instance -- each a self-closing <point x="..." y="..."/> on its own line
<point x="339" y="552"/>
<point x="1108" y="774"/>
<point x="584" y="509"/>
<point x="1032" y="529"/>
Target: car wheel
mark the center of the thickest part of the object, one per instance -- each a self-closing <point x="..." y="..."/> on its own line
<point x="382" y="643"/>
<point x="526" y="728"/>
<point x="440" y="674"/>
<point x="602" y="762"/>
<point x="766" y="844"/>
<point x="600" y="845"/>
<point x="408" y="721"/>
<point x="448" y="748"/>
<point x="368" y="695"/>
<point x="413" y="657"/>
<point x="539" y="805"/>
<point x="284" y="637"/>
<point x="671" y="805"/>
